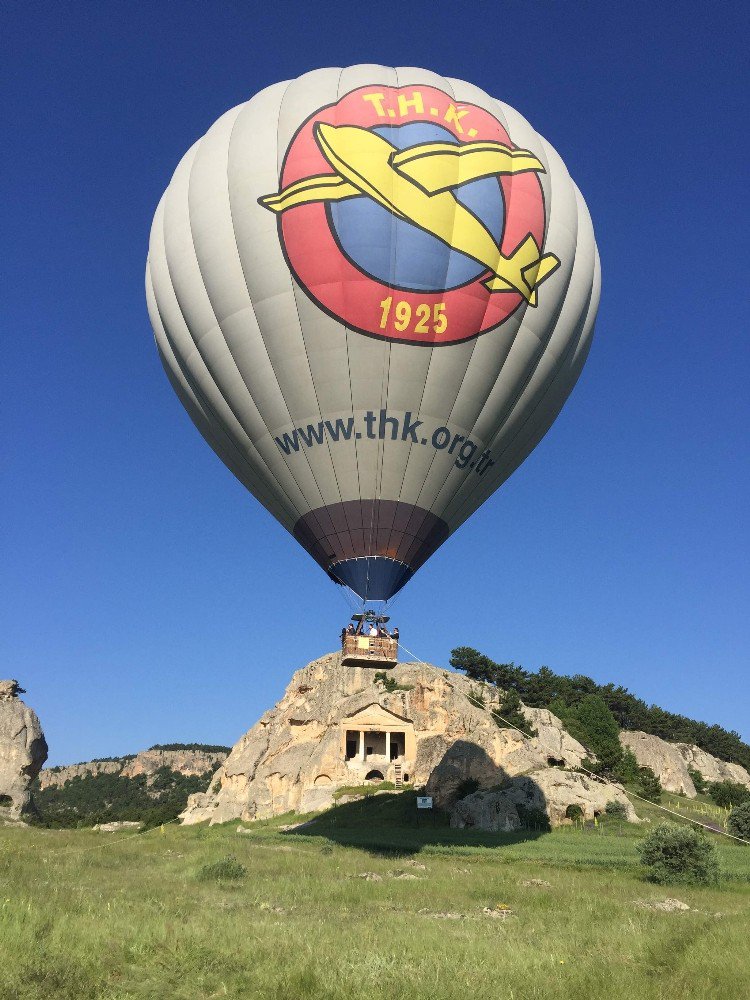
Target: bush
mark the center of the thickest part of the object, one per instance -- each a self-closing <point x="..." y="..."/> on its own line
<point x="672" y="853"/>
<point x="510" y="712"/>
<point x="698" y="780"/>
<point x="476" y="697"/>
<point x="228" y="869"/>
<point x="533" y="819"/>
<point x="390" y="684"/>
<point x="574" y="812"/>
<point x="649" y="785"/>
<point x="728" y="793"/>
<point x="739" y="821"/>
<point x="615" y="809"/>
<point x="466" y="787"/>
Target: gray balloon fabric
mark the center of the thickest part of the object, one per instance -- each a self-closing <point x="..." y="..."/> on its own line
<point x="372" y="289"/>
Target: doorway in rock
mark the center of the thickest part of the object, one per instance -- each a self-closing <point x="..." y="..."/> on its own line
<point x="397" y="745"/>
<point x="374" y="776"/>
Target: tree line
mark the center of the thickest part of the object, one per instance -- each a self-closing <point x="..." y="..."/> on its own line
<point x="565" y="696"/>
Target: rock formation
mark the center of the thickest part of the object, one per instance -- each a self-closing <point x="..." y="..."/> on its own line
<point x="664" y="760"/>
<point x="338" y="726"/>
<point x="711" y="768"/>
<point x="148" y="762"/>
<point x="551" y="790"/>
<point x="23" y="750"/>
<point x="670" y="763"/>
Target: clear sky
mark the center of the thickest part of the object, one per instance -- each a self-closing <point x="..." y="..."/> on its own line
<point x="145" y="596"/>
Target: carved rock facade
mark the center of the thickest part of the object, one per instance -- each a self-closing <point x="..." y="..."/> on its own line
<point x="338" y="726"/>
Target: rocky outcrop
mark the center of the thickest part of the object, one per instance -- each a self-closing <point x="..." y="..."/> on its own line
<point x="58" y="776"/>
<point x="670" y="763"/>
<point x="492" y="811"/>
<point x="550" y="790"/>
<point x="664" y="760"/>
<point x="561" y="749"/>
<point x="711" y="768"/>
<point x="23" y="750"/>
<point x="148" y="762"/>
<point x="338" y="726"/>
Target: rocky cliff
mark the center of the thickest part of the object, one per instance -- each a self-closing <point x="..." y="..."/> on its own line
<point x="339" y="726"/>
<point x="148" y="762"/>
<point x="23" y="750"/>
<point x="670" y="763"/>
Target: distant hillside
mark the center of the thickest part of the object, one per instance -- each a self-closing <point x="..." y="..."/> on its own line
<point x="151" y="786"/>
<point x="566" y="695"/>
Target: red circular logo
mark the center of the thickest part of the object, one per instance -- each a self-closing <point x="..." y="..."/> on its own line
<point x="409" y="216"/>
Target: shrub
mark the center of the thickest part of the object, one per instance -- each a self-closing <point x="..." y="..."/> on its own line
<point x="466" y="787"/>
<point x="649" y="785"/>
<point x="226" y="870"/>
<point x="476" y="697"/>
<point x="510" y="711"/>
<point x="574" y="812"/>
<point x="728" y="793"/>
<point x="739" y="821"/>
<point x="390" y="684"/>
<point x="698" y="780"/>
<point x="672" y="853"/>
<point x="615" y="809"/>
<point x="533" y="818"/>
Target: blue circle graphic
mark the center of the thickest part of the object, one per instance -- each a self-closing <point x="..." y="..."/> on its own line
<point x="395" y="251"/>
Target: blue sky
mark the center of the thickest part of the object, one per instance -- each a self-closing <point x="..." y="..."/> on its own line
<point x="146" y="598"/>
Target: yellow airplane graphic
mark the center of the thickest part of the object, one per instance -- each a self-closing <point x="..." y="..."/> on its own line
<point x="416" y="185"/>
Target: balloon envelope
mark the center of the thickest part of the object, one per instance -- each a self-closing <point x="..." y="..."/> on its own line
<point x="373" y="290"/>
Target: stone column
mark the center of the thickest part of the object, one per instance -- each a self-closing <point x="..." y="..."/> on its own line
<point x="388" y="745"/>
<point x="362" y="745"/>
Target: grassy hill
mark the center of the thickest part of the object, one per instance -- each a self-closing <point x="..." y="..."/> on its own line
<point x="367" y="900"/>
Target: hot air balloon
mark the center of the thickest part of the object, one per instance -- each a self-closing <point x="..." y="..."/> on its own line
<point x="372" y="289"/>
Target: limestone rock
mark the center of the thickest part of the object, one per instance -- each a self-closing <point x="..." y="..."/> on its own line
<point x="492" y="811"/>
<point x="561" y="749"/>
<point x="551" y="790"/>
<point x="670" y="763"/>
<point x="663" y="758"/>
<point x="117" y="826"/>
<point x="58" y="776"/>
<point x="434" y="730"/>
<point x="711" y="768"/>
<point x="23" y="750"/>
<point x="148" y="762"/>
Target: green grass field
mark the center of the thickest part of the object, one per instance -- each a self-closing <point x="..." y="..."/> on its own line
<point x="87" y="914"/>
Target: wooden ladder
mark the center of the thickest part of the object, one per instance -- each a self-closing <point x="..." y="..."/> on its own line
<point x="397" y="774"/>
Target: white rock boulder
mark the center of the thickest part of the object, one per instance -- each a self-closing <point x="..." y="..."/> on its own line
<point x="550" y="790"/>
<point x="23" y="750"/>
